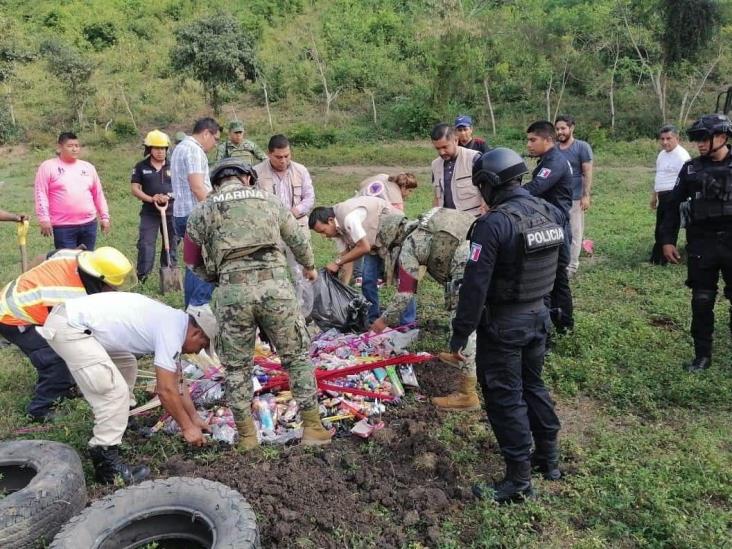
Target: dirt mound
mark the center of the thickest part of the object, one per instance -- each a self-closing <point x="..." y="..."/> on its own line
<point x="388" y="491"/>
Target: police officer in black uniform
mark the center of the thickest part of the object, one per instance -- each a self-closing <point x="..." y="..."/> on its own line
<point x="552" y="181"/>
<point x="513" y="259"/>
<point x="704" y="192"/>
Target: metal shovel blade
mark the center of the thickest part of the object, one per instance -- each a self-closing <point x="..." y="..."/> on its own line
<point x="170" y="279"/>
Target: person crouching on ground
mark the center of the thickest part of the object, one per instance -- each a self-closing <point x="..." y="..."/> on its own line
<point x="98" y="336"/>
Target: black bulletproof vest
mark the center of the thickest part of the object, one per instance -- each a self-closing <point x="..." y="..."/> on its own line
<point x="711" y="189"/>
<point x="529" y="275"/>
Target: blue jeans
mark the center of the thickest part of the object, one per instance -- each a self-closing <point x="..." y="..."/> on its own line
<point x="195" y="290"/>
<point x="372" y="266"/>
<point x="68" y="237"/>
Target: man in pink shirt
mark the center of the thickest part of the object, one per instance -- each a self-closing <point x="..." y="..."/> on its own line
<point x="69" y="197"/>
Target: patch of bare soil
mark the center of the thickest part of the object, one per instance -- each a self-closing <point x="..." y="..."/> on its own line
<point x="391" y="491"/>
<point x="365" y="171"/>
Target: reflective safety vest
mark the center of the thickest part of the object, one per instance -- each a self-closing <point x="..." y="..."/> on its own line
<point x="27" y="299"/>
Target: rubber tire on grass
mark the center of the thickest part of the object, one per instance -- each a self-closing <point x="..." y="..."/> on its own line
<point x="37" y="505"/>
<point x="182" y="510"/>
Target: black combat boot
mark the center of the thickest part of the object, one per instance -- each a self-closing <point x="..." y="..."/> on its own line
<point x="545" y="458"/>
<point x="698" y="364"/>
<point x="515" y="486"/>
<point x="108" y="465"/>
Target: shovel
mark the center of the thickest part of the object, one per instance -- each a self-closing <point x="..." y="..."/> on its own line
<point x="22" y="234"/>
<point x="170" y="280"/>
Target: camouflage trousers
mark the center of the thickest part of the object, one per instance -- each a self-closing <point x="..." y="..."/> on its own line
<point x="263" y="298"/>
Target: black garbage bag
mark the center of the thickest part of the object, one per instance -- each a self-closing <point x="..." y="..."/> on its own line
<point x="336" y="305"/>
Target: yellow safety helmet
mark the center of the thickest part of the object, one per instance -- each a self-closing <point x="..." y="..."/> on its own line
<point x="156" y="138"/>
<point x="110" y="266"/>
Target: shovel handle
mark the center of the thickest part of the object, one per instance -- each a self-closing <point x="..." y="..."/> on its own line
<point x="23" y="226"/>
<point x="164" y="225"/>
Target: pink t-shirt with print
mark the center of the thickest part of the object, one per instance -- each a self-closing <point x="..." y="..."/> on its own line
<point x="69" y="193"/>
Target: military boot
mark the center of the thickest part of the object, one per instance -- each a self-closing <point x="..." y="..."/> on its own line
<point x="108" y="465"/>
<point x="698" y="364"/>
<point x="247" y="435"/>
<point x="515" y="486"/>
<point x="545" y="458"/>
<point x="465" y="399"/>
<point x="313" y="433"/>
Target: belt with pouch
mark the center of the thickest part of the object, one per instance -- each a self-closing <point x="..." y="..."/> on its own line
<point x="253" y="276"/>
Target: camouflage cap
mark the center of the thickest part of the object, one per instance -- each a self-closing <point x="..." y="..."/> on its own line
<point x="391" y="235"/>
<point x="232" y="166"/>
<point x="180" y="136"/>
<point x="236" y="126"/>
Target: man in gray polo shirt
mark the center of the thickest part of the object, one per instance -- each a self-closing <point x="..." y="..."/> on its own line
<point x="579" y="155"/>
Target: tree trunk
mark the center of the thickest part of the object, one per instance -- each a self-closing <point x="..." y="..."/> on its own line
<point x="612" y="87"/>
<point x="373" y="106"/>
<point x="266" y="103"/>
<point x="548" y="97"/>
<point x="129" y="110"/>
<point x="490" y="104"/>
<point x="561" y="92"/>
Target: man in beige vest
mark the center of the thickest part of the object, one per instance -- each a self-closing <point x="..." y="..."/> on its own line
<point x="292" y="184"/>
<point x="364" y="226"/>
<point x="452" y="173"/>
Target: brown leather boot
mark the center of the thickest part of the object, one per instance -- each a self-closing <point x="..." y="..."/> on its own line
<point x="313" y="433"/>
<point x="465" y="399"/>
<point x="247" y="434"/>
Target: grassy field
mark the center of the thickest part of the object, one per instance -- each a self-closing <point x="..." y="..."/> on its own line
<point x="647" y="447"/>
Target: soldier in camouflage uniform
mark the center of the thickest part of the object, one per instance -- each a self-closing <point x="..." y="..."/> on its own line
<point x="238" y="147"/>
<point x="437" y="242"/>
<point x="232" y="239"/>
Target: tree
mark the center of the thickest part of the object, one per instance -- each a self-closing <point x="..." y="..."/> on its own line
<point x="73" y="70"/>
<point x="217" y="52"/>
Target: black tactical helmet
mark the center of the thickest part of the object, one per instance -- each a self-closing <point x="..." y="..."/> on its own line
<point x="708" y="126"/>
<point x="497" y="167"/>
<point x="232" y="167"/>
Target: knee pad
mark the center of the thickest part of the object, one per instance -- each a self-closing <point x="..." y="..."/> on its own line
<point x="703" y="298"/>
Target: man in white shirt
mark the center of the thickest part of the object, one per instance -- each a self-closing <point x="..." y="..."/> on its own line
<point x="98" y="336"/>
<point x="668" y="165"/>
<point x="364" y="226"/>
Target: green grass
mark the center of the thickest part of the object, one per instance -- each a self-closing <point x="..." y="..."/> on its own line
<point x="647" y="447"/>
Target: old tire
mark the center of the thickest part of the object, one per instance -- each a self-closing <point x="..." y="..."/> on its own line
<point x="44" y="487"/>
<point x="175" y="512"/>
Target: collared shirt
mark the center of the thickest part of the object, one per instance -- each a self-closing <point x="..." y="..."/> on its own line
<point x="153" y="182"/>
<point x="188" y="158"/>
<point x="283" y="190"/>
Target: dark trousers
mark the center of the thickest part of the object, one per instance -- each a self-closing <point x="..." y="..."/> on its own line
<point x="509" y="361"/>
<point x="68" y="237"/>
<point x="663" y="209"/>
<point x="195" y="290"/>
<point x="560" y="298"/>
<point x="54" y="379"/>
<point x="150" y="226"/>
<point x="709" y="255"/>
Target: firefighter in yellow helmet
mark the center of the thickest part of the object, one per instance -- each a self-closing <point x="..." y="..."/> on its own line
<point x="26" y="301"/>
<point x="151" y="185"/>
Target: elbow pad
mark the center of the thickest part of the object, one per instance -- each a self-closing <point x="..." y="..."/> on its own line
<point x="192" y="255"/>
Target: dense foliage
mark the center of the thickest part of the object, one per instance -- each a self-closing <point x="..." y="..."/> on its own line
<point x="393" y="67"/>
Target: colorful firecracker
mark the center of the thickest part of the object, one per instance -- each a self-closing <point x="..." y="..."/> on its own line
<point x="357" y="376"/>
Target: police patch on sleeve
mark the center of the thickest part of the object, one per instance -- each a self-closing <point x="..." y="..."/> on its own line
<point x="544" y="173"/>
<point x="475" y="250"/>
